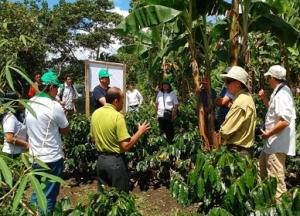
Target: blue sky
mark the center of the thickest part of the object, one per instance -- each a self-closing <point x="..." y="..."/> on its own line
<point x="122" y="4"/>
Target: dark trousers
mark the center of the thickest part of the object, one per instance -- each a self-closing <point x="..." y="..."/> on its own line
<point x="112" y="171"/>
<point x="166" y="126"/>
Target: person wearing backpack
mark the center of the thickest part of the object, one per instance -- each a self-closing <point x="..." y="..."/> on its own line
<point x="279" y="130"/>
<point x="67" y="96"/>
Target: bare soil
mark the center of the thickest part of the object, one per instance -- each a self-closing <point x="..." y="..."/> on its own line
<point x="154" y="201"/>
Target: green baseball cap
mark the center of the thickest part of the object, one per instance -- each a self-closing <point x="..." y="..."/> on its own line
<point x="103" y="73"/>
<point x="50" y="78"/>
<point x="166" y="81"/>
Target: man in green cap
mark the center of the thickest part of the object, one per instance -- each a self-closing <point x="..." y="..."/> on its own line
<point x="100" y="90"/>
<point x="44" y="133"/>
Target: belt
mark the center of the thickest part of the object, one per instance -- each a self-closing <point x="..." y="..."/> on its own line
<point x="111" y="154"/>
<point x="239" y="148"/>
<point x="134" y="106"/>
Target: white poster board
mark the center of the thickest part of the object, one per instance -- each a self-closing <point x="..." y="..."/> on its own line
<point x="92" y="68"/>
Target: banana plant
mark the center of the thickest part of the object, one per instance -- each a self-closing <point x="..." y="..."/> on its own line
<point x="190" y="15"/>
<point x="264" y="16"/>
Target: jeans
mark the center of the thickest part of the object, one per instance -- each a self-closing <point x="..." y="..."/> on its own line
<point x="52" y="188"/>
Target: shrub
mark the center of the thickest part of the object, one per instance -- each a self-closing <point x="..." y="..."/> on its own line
<point x="80" y="153"/>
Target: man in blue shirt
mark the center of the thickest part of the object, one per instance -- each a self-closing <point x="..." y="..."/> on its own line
<point x="100" y="90"/>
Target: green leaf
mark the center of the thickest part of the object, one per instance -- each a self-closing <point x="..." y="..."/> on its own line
<point x="19" y="193"/>
<point x="41" y="199"/>
<point x="49" y="176"/>
<point x="25" y="159"/>
<point x="218" y="212"/>
<point x="147" y="16"/>
<point x="296" y="203"/>
<point x="8" y="75"/>
<point x="200" y="188"/>
<point x="6" y="172"/>
<point x="22" y="73"/>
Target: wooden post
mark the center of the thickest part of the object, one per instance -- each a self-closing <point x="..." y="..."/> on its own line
<point x="87" y="88"/>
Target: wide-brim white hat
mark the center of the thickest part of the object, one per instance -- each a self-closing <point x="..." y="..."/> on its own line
<point x="237" y="73"/>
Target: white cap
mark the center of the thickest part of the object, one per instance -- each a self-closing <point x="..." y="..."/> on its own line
<point x="237" y="73"/>
<point x="276" y="71"/>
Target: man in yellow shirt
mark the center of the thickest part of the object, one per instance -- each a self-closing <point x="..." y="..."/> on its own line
<point x="237" y="131"/>
<point x="109" y="132"/>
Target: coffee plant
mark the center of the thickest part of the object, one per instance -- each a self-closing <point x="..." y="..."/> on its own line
<point x="107" y="202"/>
<point x="226" y="181"/>
<point x="80" y="153"/>
<point x="152" y="158"/>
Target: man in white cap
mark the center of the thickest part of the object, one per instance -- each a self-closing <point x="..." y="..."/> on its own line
<point x="237" y="131"/>
<point x="279" y="133"/>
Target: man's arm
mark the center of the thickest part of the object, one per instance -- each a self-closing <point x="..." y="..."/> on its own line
<point x="102" y="101"/>
<point x="11" y="139"/>
<point x="224" y="101"/>
<point x="129" y="143"/>
<point x="233" y="122"/>
<point x="279" y="126"/>
<point x="263" y="96"/>
<point x="64" y="131"/>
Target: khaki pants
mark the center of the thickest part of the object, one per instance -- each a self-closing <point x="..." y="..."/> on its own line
<point x="273" y="165"/>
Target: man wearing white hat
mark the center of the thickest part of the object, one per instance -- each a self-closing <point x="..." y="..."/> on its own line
<point x="279" y="132"/>
<point x="237" y="131"/>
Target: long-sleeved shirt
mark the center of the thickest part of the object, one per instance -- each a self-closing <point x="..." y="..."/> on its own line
<point x="239" y="125"/>
<point x="133" y="98"/>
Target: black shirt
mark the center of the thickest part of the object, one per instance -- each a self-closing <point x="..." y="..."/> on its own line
<point x="98" y="93"/>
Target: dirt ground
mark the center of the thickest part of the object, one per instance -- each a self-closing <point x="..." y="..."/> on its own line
<point x="150" y="203"/>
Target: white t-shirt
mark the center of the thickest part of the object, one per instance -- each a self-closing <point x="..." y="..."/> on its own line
<point x="165" y="101"/>
<point x="69" y="94"/>
<point x="133" y="98"/>
<point x="43" y="130"/>
<point x="282" y="106"/>
<point x="12" y="125"/>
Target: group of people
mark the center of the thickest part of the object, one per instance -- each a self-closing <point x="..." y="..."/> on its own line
<point x="238" y="129"/>
<point x="237" y="123"/>
<point x="40" y="131"/>
<point x="67" y="94"/>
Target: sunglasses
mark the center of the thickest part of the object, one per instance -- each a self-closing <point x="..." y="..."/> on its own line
<point x="228" y="81"/>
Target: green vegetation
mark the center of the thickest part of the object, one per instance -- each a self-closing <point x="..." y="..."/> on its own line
<point x="175" y="39"/>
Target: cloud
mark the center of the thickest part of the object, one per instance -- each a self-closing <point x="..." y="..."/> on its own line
<point x="118" y="10"/>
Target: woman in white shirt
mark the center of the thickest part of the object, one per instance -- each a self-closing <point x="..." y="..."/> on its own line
<point x="134" y="98"/>
<point x="15" y="134"/>
<point x="166" y="110"/>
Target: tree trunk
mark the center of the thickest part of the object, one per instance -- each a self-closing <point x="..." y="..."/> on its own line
<point x="200" y="109"/>
<point x="234" y="34"/>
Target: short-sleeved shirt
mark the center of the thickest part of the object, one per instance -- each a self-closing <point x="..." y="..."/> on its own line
<point x="165" y="101"/>
<point x="239" y="125"/>
<point x="43" y="130"/>
<point x="98" y="93"/>
<point x="281" y="106"/>
<point x="67" y="94"/>
<point x="12" y="125"/>
<point x="108" y="129"/>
